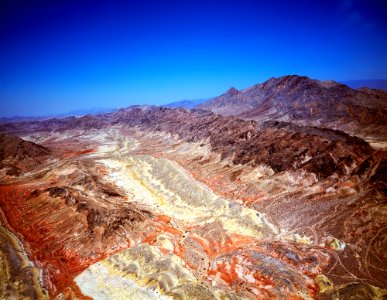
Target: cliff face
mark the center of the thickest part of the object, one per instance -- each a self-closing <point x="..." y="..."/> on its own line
<point x="306" y="101"/>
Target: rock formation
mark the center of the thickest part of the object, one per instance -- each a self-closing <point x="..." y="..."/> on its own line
<point x="305" y="101"/>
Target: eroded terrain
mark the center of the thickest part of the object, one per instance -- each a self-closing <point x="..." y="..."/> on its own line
<point x="153" y="206"/>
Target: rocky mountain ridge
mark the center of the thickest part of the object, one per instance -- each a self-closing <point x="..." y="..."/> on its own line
<point x="282" y="146"/>
<point x="305" y="101"/>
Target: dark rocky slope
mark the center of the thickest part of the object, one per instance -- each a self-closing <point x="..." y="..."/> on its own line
<point x="17" y="155"/>
<point x="307" y="102"/>
<point x="321" y="151"/>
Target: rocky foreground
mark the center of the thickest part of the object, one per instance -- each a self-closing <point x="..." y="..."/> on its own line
<point x="157" y="203"/>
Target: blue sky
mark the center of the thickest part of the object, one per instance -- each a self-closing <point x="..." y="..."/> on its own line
<point x="58" y="56"/>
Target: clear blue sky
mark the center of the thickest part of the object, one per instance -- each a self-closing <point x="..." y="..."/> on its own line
<point x="58" y="56"/>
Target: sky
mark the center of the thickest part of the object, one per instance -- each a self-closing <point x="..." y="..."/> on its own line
<point x="59" y="56"/>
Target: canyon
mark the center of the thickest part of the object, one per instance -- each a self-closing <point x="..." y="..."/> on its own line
<point x="274" y="192"/>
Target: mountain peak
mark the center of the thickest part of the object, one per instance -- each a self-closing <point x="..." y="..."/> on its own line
<point x="301" y="99"/>
<point x="232" y="91"/>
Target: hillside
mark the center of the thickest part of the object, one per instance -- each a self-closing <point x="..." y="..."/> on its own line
<point x="305" y="101"/>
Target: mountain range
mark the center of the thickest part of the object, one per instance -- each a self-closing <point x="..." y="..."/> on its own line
<point x="379" y="84"/>
<point x="78" y="112"/>
<point x="276" y="191"/>
<point x="189" y="104"/>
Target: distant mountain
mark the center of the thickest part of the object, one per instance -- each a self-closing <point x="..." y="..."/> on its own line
<point x="306" y="101"/>
<point x="189" y="104"/>
<point x="84" y="112"/>
<point x="21" y="119"/>
<point x="380" y="84"/>
<point x="77" y="113"/>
